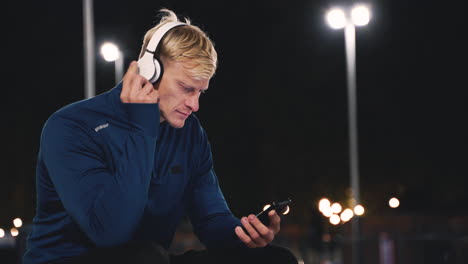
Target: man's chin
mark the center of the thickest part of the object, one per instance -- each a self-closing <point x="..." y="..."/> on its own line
<point x="176" y="123"/>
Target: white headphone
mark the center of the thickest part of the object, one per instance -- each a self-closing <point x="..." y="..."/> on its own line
<point x="149" y="65"/>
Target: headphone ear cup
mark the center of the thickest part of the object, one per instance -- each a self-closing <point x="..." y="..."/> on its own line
<point x="146" y="66"/>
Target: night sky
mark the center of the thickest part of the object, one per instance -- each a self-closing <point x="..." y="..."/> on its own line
<point x="276" y="110"/>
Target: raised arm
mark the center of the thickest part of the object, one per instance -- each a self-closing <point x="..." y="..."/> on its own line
<point x="106" y="201"/>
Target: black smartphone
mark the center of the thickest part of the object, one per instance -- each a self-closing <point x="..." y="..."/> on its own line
<point x="280" y="208"/>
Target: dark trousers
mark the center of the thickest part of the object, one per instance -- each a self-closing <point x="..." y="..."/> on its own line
<point x="147" y="252"/>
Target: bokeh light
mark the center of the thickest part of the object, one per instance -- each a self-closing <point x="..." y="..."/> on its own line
<point x="14" y="232"/>
<point x="109" y="51"/>
<point x="327" y="212"/>
<point x="359" y="209"/>
<point x="346" y="215"/>
<point x="324" y="204"/>
<point x="335" y="219"/>
<point x="18" y="222"/>
<point x="336" y="208"/>
<point x="394" y="202"/>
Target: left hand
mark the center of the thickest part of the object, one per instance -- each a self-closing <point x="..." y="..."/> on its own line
<point x="258" y="235"/>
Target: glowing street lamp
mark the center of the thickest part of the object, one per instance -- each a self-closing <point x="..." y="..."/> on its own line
<point x="360" y="15"/>
<point x="111" y="52"/>
<point x="339" y="18"/>
<point x="336" y="18"/>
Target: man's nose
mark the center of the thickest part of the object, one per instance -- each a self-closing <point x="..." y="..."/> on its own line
<point x="192" y="102"/>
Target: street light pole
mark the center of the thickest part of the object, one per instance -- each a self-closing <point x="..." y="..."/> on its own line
<point x="350" y="43"/>
<point x="88" y="28"/>
<point x="119" y="67"/>
<point x="337" y="19"/>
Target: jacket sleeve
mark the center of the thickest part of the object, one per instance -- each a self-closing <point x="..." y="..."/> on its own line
<point x="212" y="220"/>
<point x="106" y="203"/>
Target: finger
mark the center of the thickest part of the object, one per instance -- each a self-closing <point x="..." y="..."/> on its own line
<point x="265" y="233"/>
<point x="146" y="90"/>
<point x="131" y="71"/>
<point x="275" y="221"/>
<point x="254" y="235"/>
<point x="154" y="96"/>
<point x="137" y="82"/>
<point x="244" y="237"/>
<point x="132" y="68"/>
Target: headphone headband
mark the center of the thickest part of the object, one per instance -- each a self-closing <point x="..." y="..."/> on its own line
<point x="159" y="34"/>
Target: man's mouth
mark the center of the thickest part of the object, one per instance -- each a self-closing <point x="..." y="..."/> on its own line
<point x="183" y="114"/>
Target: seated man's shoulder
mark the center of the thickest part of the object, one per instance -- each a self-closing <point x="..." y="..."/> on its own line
<point x="82" y="113"/>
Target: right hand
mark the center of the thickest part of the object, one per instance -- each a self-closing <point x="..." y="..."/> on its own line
<point x="136" y="88"/>
<point x="255" y="233"/>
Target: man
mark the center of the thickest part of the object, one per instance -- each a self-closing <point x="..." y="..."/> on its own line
<point x="117" y="172"/>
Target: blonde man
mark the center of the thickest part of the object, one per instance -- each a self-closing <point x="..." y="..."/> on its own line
<point x="117" y="172"/>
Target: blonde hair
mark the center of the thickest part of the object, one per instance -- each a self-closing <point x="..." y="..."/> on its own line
<point x="187" y="44"/>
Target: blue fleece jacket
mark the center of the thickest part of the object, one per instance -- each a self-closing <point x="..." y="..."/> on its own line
<point x="110" y="172"/>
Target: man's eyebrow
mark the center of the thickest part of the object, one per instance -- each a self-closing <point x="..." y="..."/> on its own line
<point x="190" y="87"/>
<point x="184" y="84"/>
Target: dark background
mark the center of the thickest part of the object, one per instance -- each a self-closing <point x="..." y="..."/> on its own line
<point x="276" y="110"/>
